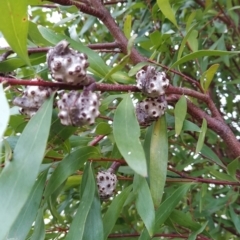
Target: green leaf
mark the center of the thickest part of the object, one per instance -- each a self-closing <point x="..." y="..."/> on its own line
<point x="77" y="227"/>
<point x="4" y="113"/>
<point x="193" y="41"/>
<point x="165" y="209"/>
<point x="144" y="203"/>
<point x="112" y="214"/>
<point x="221" y="176"/>
<point x="207" y="77"/>
<point x="118" y="67"/>
<point x="184" y="219"/>
<point x="14" y="26"/>
<point x="18" y="177"/>
<point x="39" y="227"/>
<point x="169" y="204"/>
<point x="233" y="167"/>
<point x="127" y="28"/>
<point x="167" y="11"/>
<point x="180" y="112"/>
<point x="194" y="235"/>
<point x="235" y="218"/>
<point x="158" y="160"/>
<point x="26" y="217"/>
<point x="208" y="153"/>
<point x="203" y="53"/>
<point x="103" y="128"/>
<point x="94" y="221"/>
<point x="136" y="68"/>
<point x="201" y="137"/>
<point x="184" y="41"/>
<point x="131" y="43"/>
<point x="68" y="166"/>
<point x="126" y="132"/>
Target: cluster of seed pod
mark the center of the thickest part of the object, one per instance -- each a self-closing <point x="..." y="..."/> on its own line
<point x="78" y="109"/>
<point x="67" y="65"/>
<point x="32" y="99"/>
<point x="152" y="84"/>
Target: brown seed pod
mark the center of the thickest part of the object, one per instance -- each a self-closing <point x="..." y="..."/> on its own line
<point x="106" y="183"/>
<point x="152" y="83"/>
<point x="32" y="99"/>
<point x="67" y="65"/>
<point x="150" y="110"/>
<point x="78" y="109"/>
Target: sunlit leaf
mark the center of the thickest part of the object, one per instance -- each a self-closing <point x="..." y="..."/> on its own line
<point x="180" y="112"/>
<point x="128" y="26"/>
<point x="203" y="53"/>
<point x="201" y="137"/>
<point x="14" y="26"/>
<point x="207" y="77"/>
<point x="167" y="11"/>
<point x="158" y="160"/>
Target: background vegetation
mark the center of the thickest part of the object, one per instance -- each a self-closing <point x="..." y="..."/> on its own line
<point x="181" y="180"/>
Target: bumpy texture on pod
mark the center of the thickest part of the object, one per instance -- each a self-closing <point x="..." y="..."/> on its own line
<point x="32" y="99"/>
<point x="150" y="110"/>
<point x="151" y="82"/>
<point x="106" y="182"/>
<point x="78" y="109"/>
<point x="67" y="65"/>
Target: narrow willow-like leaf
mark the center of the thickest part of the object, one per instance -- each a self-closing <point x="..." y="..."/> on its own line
<point x="207" y="77"/>
<point x="201" y="137"/>
<point x="170" y="203"/>
<point x="136" y="68"/>
<point x="68" y="166"/>
<point x="167" y="11"/>
<point x="203" y="53"/>
<point x="235" y="218"/>
<point x="165" y="209"/>
<point x="211" y="155"/>
<point x="185" y="39"/>
<point x="233" y="167"/>
<point x="14" y="26"/>
<point x="29" y="210"/>
<point x="144" y="203"/>
<point x="94" y="221"/>
<point x="127" y="28"/>
<point x="194" y="235"/>
<point x="39" y="227"/>
<point x="114" y="210"/>
<point x="78" y="224"/>
<point x="18" y="177"/>
<point x="180" y="112"/>
<point x="158" y="160"/>
<point x="126" y="132"/>
<point x="4" y="113"/>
